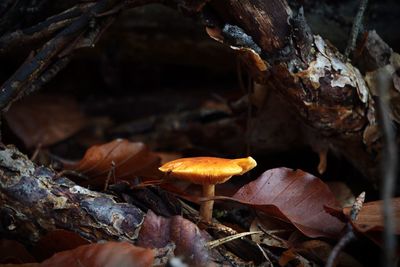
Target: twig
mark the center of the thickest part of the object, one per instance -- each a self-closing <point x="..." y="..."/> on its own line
<point x="36" y="153"/>
<point x="357" y="25"/>
<point x="349" y="234"/>
<point x="52" y="71"/>
<point x="218" y="242"/>
<point x="388" y="171"/>
<point x="111" y="172"/>
<point x="60" y="45"/>
<point x="265" y="255"/>
<point x="33" y="68"/>
<point x="43" y="29"/>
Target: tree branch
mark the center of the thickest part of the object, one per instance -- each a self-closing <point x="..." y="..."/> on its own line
<point x="33" y="68"/>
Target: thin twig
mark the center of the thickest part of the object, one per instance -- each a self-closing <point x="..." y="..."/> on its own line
<point x="388" y="171"/>
<point x="43" y="29"/>
<point x="47" y="75"/>
<point x="223" y="240"/>
<point x="32" y="69"/>
<point x="111" y="172"/>
<point x="36" y="153"/>
<point x="349" y="234"/>
<point x="357" y="25"/>
<point x="265" y="255"/>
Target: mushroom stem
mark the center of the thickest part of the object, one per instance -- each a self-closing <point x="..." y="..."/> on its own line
<point x="206" y="207"/>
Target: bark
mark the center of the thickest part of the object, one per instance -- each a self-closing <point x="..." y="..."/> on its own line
<point x="328" y="93"/>
<point x="34" y="201"/>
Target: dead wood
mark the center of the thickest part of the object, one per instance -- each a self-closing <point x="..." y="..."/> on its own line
<point x="34" y="201"/>
<point x="328" y="92"/>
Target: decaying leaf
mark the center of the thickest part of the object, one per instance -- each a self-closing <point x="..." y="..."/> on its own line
<point x="296" y="197"/>
<point x="122" y="157"/>
<point x="157" y="232"/>
<point x="45" y="119"/>
<point x="370" y="217"/>
<point x="120" y="254"/>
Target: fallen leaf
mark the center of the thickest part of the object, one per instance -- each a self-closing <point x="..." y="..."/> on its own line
<point x="14" y="252"/>
<point x="129" y="159"/>
<point x="44" y="119"/>
<point x="157" y="232"/>
<point x="370" y="217"/>
<point x="296" y="197"/>
<point x="121" y="254"/>
<point x="57" y="241"/>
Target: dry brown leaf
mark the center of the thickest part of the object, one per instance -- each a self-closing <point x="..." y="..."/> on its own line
<point x="45" y="119"/>
<point x="370" y="217"/>
<point x="120" y="254"/>
<point x="296" y="197"/>
<point x="130" y="159"/>
<point x="109" y="254"/>
<point x="157" y="232"/>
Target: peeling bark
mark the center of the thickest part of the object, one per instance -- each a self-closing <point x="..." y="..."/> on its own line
<point x="34" y="200"/>
<point x="327" y="91"/>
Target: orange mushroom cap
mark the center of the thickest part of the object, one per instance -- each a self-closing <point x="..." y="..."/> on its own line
<point x="207" y="170"/>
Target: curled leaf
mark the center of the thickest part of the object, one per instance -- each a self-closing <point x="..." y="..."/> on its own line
<point x="370" y="218"/>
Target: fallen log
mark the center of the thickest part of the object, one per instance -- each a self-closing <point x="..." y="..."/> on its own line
<point x="34" y="200"/>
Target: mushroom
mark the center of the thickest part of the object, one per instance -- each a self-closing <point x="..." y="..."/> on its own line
<point x="207" y="171"/>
